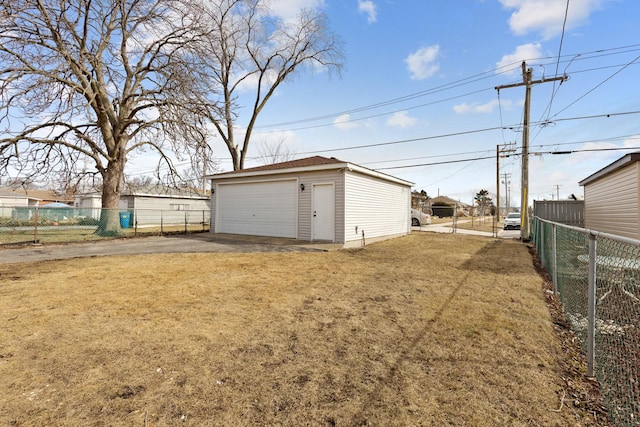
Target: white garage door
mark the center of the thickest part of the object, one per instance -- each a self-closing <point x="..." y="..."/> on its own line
<point x="258" y="208"/>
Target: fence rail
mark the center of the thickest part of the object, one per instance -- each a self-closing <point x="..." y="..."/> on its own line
<point x="20" y="225"/>
<point x="597" y="276"/>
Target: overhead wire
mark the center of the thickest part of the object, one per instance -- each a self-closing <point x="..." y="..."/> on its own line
<point x="505" y="69"/>
<point x="597" y="86"/>
<point x="508" y="155"/>
<point x="472" y="79"/>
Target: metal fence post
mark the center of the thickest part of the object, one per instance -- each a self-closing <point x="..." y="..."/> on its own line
<point x="591" y="309"/>
<point x="35" y="226"/>
<point x="541" y="246"/>
<point x="554" y="259"/>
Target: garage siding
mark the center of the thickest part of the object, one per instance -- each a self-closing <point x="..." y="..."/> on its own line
<point x="611" y="202"/>
<point x="378" y="207"/>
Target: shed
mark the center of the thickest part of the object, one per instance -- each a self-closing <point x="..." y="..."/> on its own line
<point x="612" y="198"/>
<point x="311" y="199"/>
<point x="152" y="205"/>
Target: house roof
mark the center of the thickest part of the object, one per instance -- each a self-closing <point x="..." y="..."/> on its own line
<point x="159" y="191"/>
<point x="447" y="200"/>
<point x="307" y="164"/>
<point x="618" y="164"/>
<point x="292" y="164"/>
<point x="163" y="191"/>
<point x="37" y="195"/>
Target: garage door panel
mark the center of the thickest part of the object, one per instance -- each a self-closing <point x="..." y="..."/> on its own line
<point x="262" y="209"/>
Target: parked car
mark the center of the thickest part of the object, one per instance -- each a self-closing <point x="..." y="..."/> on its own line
<point x="419" y="218"/>
<point x="512" y="220"/>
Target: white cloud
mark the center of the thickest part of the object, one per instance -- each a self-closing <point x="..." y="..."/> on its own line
<point x="250" y="83"/>
<point x="401" y="119"/>
<point x="510" y="63"/>
<point x="369" y="8"/>
<point x="289" y="9"/>
<point x="483" y="108"/>
<point x="547" y="16"/>
<point x="422" y="63"/>
<point x="343" y="122"/>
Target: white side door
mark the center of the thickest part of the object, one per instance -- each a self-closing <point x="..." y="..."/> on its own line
<point x="323" y="212"/>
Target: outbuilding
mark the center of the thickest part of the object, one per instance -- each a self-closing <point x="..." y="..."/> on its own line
<point x="612" y="198"/>
<point x="312" y="199"/>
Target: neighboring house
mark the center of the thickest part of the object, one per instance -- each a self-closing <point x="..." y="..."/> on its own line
<point x="153" y="205"/>
<point x="421" y="202"/>
<point x="14" y="203"/>
<point x="34" y="197"/>
<point x="312" y="199"/>
<point x="612" y="198"/>
<point x="10" y="198"/>
<point x="443" y="206"/>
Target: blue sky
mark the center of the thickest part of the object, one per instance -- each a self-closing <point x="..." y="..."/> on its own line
<point x="427" y="70"/>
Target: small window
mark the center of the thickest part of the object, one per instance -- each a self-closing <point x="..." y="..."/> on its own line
<point x="179" y="207"/>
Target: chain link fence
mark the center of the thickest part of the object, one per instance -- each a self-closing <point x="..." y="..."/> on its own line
<point x="22" y="225"/>
<point x="597" y="277"/>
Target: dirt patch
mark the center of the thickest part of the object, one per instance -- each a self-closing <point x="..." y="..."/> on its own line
<point x="428" y="329"/>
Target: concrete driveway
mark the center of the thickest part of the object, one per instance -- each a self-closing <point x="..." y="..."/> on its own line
<point x="446" y="227"/>
<point x="183" y="243"/>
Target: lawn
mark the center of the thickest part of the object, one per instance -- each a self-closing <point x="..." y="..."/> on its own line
<point x="429" y="329"/>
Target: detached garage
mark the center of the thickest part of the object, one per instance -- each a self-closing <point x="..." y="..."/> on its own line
<point x="313" y="199"/>
<point x="612" y="198"/>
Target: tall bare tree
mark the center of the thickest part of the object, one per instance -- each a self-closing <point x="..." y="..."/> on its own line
<point x="95" y="79"/>
<point x="275" y="152"/>
<point x="249" y="52"/>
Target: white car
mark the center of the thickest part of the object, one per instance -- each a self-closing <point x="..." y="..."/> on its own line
<point x="512" y="220"/>
<point x="419" y="218"/>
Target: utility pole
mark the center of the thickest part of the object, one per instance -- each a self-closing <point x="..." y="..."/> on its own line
<point x="500" y="149"/>
<point x="558" y="191"/>
<point x="528" y="82"/>
<point x="506" y="182"/>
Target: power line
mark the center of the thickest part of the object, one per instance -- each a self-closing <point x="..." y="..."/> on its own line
<point x="403" y="141"/>
<point x="508" y="155"/>
<point x="458" y="83"/>
<point x="598" y="85"/>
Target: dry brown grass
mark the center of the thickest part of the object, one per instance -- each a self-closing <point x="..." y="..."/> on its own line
<point x="485" y="224"/>
<point x="424" y="330"/>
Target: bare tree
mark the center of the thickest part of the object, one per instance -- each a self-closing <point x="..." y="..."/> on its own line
<point x="270" y="153"/>
<point x="96" y="79"/>
<point x="248" y="46"/>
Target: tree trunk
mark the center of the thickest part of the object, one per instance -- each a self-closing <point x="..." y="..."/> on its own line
<point x="111" y="189"/>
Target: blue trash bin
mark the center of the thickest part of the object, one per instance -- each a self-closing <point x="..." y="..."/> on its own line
<point x="125" y="219"/>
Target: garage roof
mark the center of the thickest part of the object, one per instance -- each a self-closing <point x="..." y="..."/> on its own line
<point x="618" y="164"/>
<point x="307" y="164"/>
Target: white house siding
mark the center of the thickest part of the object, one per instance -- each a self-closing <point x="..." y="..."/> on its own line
<point x="378" y="207"/>
<point x="88" y="205"/>
<point x="153" y="210"/>
<point x="7" y="203"/>
<point x="611" y="202"/>
<point x="17" y="202"/>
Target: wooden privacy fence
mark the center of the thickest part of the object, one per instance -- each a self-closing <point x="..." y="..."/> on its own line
<point x="570" y="212"/>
